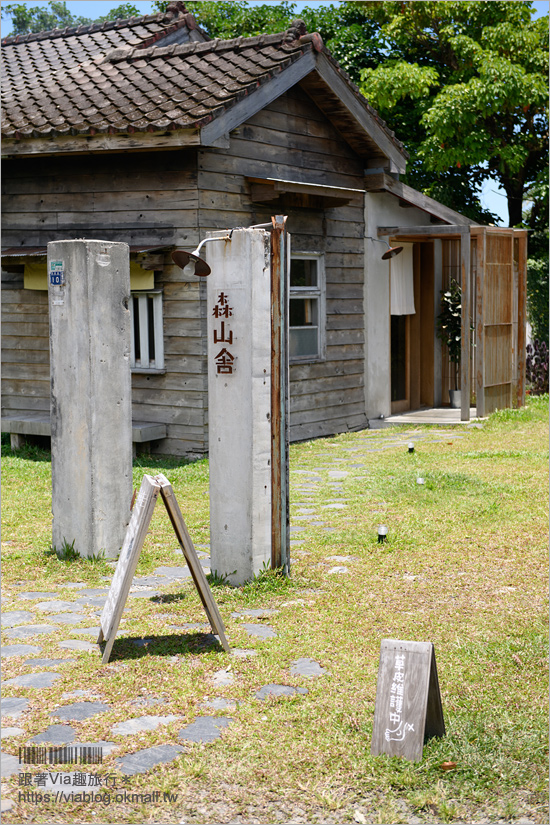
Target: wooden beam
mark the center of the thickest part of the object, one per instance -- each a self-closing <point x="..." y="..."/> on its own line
<point x="386" y="183"/>
<point x="360" y="113"/>
<point x="521" y="235"/>
<point x="269" y="189"/>
<point x="86" y="144"/>
<point x="480" y="327"/>
<point x="429" y="230"/>
<point x="465" y="330"/>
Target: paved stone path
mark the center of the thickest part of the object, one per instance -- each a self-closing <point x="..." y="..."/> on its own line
<point x="73" y="608"/>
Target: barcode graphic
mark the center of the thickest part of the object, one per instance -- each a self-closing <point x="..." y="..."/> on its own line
<point x="61" y="756"/>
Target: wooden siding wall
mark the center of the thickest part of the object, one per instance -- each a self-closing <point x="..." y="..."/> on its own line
<point x="292" y="140"/>
<point x="138" y="199"/>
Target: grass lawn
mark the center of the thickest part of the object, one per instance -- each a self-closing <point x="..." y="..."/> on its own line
<point x="465" y="566"/>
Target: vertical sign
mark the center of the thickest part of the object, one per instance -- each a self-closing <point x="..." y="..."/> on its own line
<point x="239" y="403"/>
<point x="408" y="707"/>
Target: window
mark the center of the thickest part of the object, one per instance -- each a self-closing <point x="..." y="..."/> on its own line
<point x="147" y="333"/>
<point x="307" y="307"/>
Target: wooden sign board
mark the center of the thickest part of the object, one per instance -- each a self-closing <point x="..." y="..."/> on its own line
<point x="129" y="556"/>
<point x="408" y="708"/>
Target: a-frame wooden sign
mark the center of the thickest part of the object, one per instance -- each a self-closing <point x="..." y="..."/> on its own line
<point x="408" y="708"/>
<point x="129" y="556"/>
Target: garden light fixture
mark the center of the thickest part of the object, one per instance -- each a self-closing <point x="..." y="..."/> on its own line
<point x="411" y="447"/>
<point x="382" y="533"/>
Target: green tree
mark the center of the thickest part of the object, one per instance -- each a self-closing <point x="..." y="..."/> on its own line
<point x="29" y="20"/>
<point x="470" y="80"/>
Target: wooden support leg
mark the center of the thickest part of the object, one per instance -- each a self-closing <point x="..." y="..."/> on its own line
<point x="17" y="441"/>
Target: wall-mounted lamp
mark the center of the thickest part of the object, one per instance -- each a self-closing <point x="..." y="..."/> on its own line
<point x="382" y="533"/>
<point x="391" y="250"/>
<point x="182" y="258"/>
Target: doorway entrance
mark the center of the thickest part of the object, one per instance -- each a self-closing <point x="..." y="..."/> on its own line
<point x="412" y="339"/>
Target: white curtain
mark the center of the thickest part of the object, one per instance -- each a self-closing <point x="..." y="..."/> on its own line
<point x="402" y="283"/>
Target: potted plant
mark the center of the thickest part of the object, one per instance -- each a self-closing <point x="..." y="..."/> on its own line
<point x="449" y="330"/>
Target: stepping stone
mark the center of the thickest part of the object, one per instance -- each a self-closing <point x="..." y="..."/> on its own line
<point x="278" y="690"/>
<point x="12" y="706"/>
<point x="76" y="644"/>
<point x="339" y="569"/>
<point x="258" y="613"/>
<point x="262" y="631"/>
<point x="150" y="701"/>
<point x="143" y="761"/>
<point x="10" y="765"/>
<point x="92" y="601"/>
<point x="56" y="734"/>
<point x="342" y="558"/>
<point x="306" y="511"/>
<point x="222" y="677"/>
<point x="173" y="572"/>
<point x="47" y="662"/>
<point x="29" y="630"/>
<point x="148" y="581"/>
<point x="69" y="618"/>
<point x="336" y="506"/>
<point x="54" y="606"/>
<point x="36" y="594"/>
<point x="295" y="529"/>
<point x="243" y="653"/>
<point x="144" y="594"/>
<point x="79" y="710"/>
<point x="94" y="591"/>
<point x="140" y="724"/>
<point x="8" y="732"/>
<point x="215" y="704"/>
<point x="13" y="617"/>
<point x="317" y="523"/>
<point x="307" y="667"/>
<point x="204" y="729"/>
<point x="34" y="680"/>
<point x="296" y="542"/>
<point x="72" y="585"/>
<point x="338" y="473"/>
<point x="89" y="631"/>
<point x="19" y="650"/>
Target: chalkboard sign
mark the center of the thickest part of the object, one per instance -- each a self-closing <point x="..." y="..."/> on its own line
<point x="408" y="708"/>
<point x="129" y="556"/>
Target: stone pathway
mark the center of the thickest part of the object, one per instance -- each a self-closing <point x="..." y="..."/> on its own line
<point x="74" y="608"/>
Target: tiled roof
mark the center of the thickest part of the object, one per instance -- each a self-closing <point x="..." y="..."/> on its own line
<point x="28" y="58"/>
<point x="132" y="89"/>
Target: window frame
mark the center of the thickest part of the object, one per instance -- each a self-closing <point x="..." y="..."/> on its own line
<point x="157" y="366"/>
<point x="318" y="293"/>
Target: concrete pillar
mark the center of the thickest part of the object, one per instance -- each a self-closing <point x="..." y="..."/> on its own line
<point x="91" y="403"/>
<point x="239" y="403"/>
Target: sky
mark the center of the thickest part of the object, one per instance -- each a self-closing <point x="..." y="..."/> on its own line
<point x="492" y="196"/>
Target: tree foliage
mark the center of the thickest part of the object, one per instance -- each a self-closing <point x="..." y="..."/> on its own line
<point x="55" y="15"/>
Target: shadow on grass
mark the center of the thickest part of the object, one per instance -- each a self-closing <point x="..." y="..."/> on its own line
<point x="136" y="647"/>
<point x="168" y="598"/>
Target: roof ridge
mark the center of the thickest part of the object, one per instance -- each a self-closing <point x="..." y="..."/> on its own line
<point x="131" y="53"/>
<point x="176" y="13"/>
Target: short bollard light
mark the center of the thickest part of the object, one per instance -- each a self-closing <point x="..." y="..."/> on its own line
<point x="382" y="533"/>
<point x="420" y="480"/>
<point x="411" y="447"/>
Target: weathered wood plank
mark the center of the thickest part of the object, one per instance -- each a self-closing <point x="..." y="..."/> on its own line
<point x="188" y="549"/>
<point x="127" y="563"/>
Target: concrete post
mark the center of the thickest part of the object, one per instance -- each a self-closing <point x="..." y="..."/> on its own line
<point x="91" y="402"/>
<point x="239" y="403"/>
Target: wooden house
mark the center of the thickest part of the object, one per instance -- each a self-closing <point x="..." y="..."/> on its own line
<point x="148" y="132"/>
